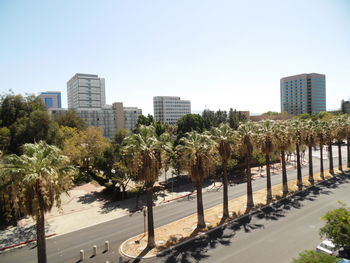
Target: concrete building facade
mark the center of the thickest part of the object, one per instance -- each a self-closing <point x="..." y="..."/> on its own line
<point x="51" y="99"/>
<point x="86" y="91"/>
<point x="303" y="93"/>
<point x="345" y="106"/>
<point x="131" y="114"/>
<point x="169" y="109"/>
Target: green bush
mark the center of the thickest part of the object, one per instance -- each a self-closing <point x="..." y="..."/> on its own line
<point x="310" y="256"/>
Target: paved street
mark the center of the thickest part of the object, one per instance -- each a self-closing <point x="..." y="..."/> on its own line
<point x="65" y="248"/>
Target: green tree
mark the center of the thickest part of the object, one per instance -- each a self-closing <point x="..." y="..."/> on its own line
<point x="329" y="130"/>
<point x="310" y="256"/>
<point x="188" y="123"/>
<point x="320" y="129"/>
<point x="84" y="147"/>
<point x="33" y="183"/>
<point x="340" y="133"/>
<point x="71" y="119"/>
<point x="143" y="151"/>
<point x="145" y="120"/>
<point x="235" y="118"/>
<point x="297" y="130"/>
<point x="337" y="227"/>
<point x="265" y="141"/>
<point x="196" y="153"/>
<point x="310" y="140"/>
<point x="283" y="144"/>
<point x="225" y="140"/>
<point x="246" y="133"/>
<point x="5" y="138"/>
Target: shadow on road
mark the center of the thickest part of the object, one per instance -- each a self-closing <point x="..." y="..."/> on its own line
<point x="197" y="249"/>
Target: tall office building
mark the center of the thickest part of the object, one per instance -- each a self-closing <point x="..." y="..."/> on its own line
<point x="52" y="99"/>
<point x="304" y="93"/>
<point x="168" y="109"/>
<point x="86" y="91"/>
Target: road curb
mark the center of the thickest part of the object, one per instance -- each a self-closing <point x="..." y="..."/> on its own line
<point x="24" y="243"/>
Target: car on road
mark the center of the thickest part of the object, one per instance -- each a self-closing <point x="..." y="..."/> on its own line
<point x="327" y="247"/>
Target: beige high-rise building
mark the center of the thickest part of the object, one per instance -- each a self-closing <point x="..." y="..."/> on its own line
<point x="303" y="93"/>
<point x="126" y="117"/>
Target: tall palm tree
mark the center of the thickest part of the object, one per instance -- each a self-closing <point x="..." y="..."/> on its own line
<point x="224" y="137"/>
<point x="329" y="137"/>
<point x="196" y="153"/>
<point x="265" y="140"/>
<point x="310" y="141"/>
<point x="245" y="135"/>
<point x="283" y="143"/>
<point x="340" y="134"/>
<point x="297" y="133"/>
<point x="348" y="140"/>
<point x="33" y="183"/>
<point x="146" y="153"/>
<point x="320" y="129"/>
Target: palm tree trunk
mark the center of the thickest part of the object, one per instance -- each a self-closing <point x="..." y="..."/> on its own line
<point x="284" y="174"/>
<point x="311" y="171"/>
<point x="299" y="176"/>
<point x="348" y="151"/>
<point x="200" y="210"/>
<point x="225" y="213"/>
<point x="150" y="224"/>
<point x="340" y="161"/>
<point x="250" y="202"/>
<point x="40" y="237"/>
<point x="321" y="161"/>
<point x="331" y="169"/>
<point x="268" y="180"/>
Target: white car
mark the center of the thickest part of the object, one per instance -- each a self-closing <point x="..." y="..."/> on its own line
<point x="326" y="247"/>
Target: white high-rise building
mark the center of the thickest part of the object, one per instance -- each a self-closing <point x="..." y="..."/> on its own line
<point x="131" y="114"/>
<point x="169" y="109"/>
<point x="86" y="91"/>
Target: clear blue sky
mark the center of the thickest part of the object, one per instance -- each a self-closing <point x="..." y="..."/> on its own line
<point x="218" y="53"/>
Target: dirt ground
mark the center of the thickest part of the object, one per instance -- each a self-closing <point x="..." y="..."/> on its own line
<point x="180" y="230"/>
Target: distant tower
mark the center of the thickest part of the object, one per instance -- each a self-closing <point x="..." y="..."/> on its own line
<point x="52" y="99"/>
<point x="304" y="93"/>
<point x="86" y="91"/>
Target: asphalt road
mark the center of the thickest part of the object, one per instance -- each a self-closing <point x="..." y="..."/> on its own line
<point x="65" y="248"/>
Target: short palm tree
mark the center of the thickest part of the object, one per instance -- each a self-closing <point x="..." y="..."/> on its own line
<point x="33" y="183"/>
<point x="146" y="153"/>
<point x="225" y="139"/>
<point x="310" y="140"/>
<point x="265" y="141"/>
<point x="297" y="133"/>
<point x="245" y="135"/>
<point x="283" y="143"/>
<point x="197" y="155"/>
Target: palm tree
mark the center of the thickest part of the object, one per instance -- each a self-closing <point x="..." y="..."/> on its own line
<point x="265" y="141"/>
<point x="310" y="141"/>
<point x="297" y="133"/>
<point x="224" y="137"/>
<point x="283" y="143"/>
<point x="329" y="137"/>
<point x="245" y="133"/>
<point x="146" y="153"/>
<point x="196" y="153"/>
<point x="33" y="183"/>
<point x="348" y="140"/>
<point x="340" y="133"/>
<point x="320" y="129"/>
